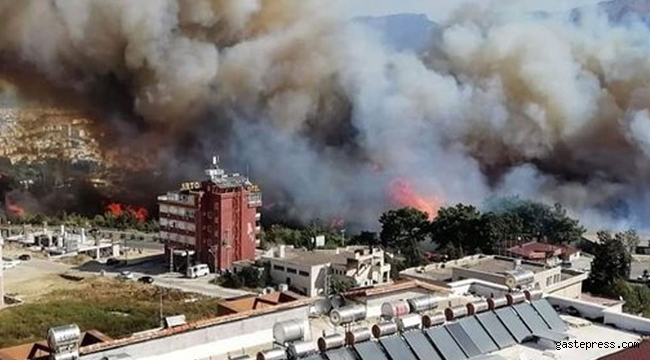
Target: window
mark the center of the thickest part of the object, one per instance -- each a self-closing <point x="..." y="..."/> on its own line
<point x="291" y="270"/>
<point x="278" y="267"/>
<point x="549" y="281"/>
<point x="303" y="273"/>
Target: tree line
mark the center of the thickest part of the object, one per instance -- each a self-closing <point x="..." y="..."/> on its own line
<point x="124" y="221"/>
<point x="462" y="230"/>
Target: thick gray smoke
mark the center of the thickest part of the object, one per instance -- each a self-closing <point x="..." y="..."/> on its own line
<point x="327" y="115"/>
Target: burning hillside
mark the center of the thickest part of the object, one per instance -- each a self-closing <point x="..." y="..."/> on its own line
<point x="549" y="107"/>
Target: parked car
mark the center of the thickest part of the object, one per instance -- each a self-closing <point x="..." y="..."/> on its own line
<point x="125" y="275"/>
<point x="112" y="262"/>
<point x="146" y="280"/>
<point x="25" y="257"/>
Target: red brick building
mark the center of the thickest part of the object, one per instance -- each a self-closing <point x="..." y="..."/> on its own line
<point x="215" y="221"/>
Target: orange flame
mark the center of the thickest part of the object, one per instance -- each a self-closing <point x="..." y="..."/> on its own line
<point x="117" y="209"/>
<point x="402" y="194"/>
<point x="14" y="208"/>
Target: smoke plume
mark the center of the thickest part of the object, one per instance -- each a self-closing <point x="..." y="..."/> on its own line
<point x="327" y="116"/>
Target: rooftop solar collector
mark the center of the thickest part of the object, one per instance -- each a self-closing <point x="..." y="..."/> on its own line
<point x="445" y="344"/>
<point x="496" y="330"/>
<point x="513" y="324"/>
<point x="422" y="348"/>
<point x="370" y="350"/>
<point x="463" y="339"/>
<point x="549" y="315"/>
<point x="475" y="331"/>
<point x="340" y="354"/>
<point x="397" y="348"/>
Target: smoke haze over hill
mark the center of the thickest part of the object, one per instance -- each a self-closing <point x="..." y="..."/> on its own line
<point x="328" y="116"/>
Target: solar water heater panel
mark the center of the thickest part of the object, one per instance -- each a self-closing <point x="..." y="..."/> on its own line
<point x="422" y="348"/>
<point x="340" y="354"/>
<point x="313" y="357"/>
<point x="397" y="348"/>
<point x="531" y="318"/>
<point x="513" y="323"/>
<point x="475" y="331"/>
<point x="370" y="350"/>
<point x="496" y="330"/>
<point x="465" y="342"/>
<point x="445" y="343"/>
<point x="549" y="315"/>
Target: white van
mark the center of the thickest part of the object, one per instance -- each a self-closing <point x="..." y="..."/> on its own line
<point x="198" y="270"/>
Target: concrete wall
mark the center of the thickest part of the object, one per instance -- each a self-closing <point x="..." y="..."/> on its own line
<point x="212" y="341"/>
<point x="612" y="316"/>
<point x="464" y="273"/>
<point x="586" y="309"/>
<point x="626" y="321"/>
<point x="479" y="287"/>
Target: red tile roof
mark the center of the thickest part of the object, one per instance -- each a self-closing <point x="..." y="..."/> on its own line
<point x="538" y="250"/>
<point x="639" y="353"/>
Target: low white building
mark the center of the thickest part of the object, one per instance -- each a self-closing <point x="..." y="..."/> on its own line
<point x="503" y="271"/>
<point x="309" y="272"/>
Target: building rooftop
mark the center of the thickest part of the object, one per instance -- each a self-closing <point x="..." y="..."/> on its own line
<point x="539" y="250"/>
<point x="500" y="265"/>
<point x="199" y="324"/>
<point x="318" y="256"/>
<point x="252" y="302"/>
<point x="398" y="286"/>
<point x="586" y="333"/>
<point x="40" y="350"/>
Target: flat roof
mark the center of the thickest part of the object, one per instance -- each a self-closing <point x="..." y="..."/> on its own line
<point x="500" y="265"/>
<point x="317" y="257"/>
<point x="589" y="333"/>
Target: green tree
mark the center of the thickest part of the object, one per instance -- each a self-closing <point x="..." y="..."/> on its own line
<point x="461" y="227"/>
<point x="630" y="239"/>
<point x="611" y="263"/>
<point x="367" y="238"/>
<point x="251" y="277"/>
<point x="637" y="297"/>
<point x="404" y="229"/>
<point x="541" y="221"/>
<point x="340" y="284"/>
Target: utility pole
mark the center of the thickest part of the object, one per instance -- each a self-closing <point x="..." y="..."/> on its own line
<point x="162" y="319"/>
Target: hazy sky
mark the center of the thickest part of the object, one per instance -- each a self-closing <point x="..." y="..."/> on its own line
<point x="439" y="9"/>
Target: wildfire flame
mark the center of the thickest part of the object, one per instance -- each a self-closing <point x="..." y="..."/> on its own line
<point x="139" y="213"/>
<point x="401" y="193"/>
<point x="13" y="208"/>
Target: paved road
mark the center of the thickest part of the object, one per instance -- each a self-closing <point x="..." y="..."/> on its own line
<point x="30" y="270"/>
<point x="177" y="281"/>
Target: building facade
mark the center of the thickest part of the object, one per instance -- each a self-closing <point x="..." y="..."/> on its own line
<point x="309" y="272"/>
<point x="215" y="221"/>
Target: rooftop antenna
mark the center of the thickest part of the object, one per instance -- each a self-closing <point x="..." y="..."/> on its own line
<point x="215" y="172"/>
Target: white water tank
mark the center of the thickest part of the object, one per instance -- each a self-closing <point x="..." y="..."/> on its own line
<point x="408" y="322"/>
<point x="348" y="314"/>
<point x="290" y="330"/>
